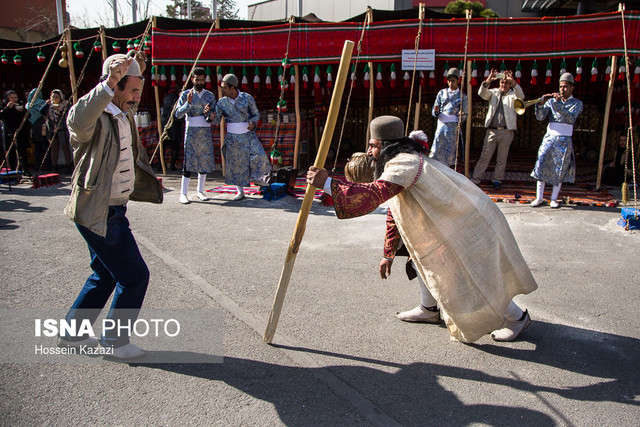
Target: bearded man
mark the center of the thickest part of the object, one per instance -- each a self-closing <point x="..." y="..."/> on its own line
<point x="457" y="237"/>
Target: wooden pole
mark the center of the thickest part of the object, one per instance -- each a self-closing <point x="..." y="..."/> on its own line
<point x="316" y="138"/>
<point x="467" y="135"/>
<point x="72" y="70"/>
<point x="158" y="115"/>
<point x="296" y="239"/>
<point x="222" y="121"/>
<point x="416" y="117"/>
<point x="159" y="124"/>
<point x="605" y="123"/>
<point x="103" y="42"/>
<point x="372" y="87"/>
<point x="416" y="114"/>
<point x="296" y="147"/>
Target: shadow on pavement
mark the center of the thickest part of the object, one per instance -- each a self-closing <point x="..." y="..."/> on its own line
<point x="412" y="393"/>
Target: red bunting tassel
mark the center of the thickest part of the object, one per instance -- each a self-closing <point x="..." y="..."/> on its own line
<point x="379" y="83"/>
<point x="393" y="76"/>
<point x="432" y="79"/>
<point x="407" y="79"/>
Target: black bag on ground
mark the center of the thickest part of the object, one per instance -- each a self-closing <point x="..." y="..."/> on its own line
<point x="287" y="176"/>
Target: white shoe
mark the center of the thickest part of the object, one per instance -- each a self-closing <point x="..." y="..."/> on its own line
<point x="184" y="200"/>
<point x="128" y="351"/>
<point x="554" y="204"/>
<point x="536" y="203"/>
<point x="239" y="196"/>
<point x="202" y="196"/>
<point x="419" y="314"/>
<point x="511" y="329"/>
<point x="89" y="342"/>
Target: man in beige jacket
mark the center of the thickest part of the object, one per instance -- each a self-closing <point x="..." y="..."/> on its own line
<point x="111" y="168"/>
<point x="501" y="123"/>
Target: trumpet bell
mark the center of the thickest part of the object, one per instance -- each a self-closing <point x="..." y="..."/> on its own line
<point x="520" y="106"/>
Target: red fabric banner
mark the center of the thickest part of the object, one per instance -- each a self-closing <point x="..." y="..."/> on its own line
<point x="489" y="39"/>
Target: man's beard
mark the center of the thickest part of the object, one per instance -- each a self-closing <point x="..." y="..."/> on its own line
<point x="198" y="87"/>
<point x="378" y="168"/>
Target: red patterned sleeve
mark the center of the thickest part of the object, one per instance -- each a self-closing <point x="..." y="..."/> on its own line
<point x="351" y="200"/>
<point x="391" y="238"/>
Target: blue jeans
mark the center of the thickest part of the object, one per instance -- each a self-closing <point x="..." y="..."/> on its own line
<point x="117" y="264"/>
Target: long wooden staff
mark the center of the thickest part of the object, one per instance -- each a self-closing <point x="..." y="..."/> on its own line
<point x="301" y="223"/>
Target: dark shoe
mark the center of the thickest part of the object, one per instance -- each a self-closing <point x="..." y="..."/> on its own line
<point x="496" y="185"/>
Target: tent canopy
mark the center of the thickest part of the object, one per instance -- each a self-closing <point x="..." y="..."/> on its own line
<point x="316" y="43"/>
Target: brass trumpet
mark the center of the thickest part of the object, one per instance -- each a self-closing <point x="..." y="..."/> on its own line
<point x="520" y="106"/>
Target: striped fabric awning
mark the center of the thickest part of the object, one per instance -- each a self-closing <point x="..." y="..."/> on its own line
<point x="594" y="35"/>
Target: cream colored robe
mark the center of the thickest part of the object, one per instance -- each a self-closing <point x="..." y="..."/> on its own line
<point x="461" y="243"/>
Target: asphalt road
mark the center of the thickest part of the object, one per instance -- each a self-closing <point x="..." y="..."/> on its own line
<point x="340" y="356"/>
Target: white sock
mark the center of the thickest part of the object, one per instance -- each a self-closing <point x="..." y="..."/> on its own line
<point x="185" y="185"/>
<point x="426" y="299"/>
<point x="540" y="190"/>
<point x="513" y="312"/>
<point x="555" y="192"/>
<point x="202" y="177"/>
<point x="240" y="189"/>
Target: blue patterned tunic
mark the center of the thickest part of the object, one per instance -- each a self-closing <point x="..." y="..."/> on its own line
<point x="198" y="140"/>
<point x="556" y="160"/>
<point x="443" y="148"/>
<point x="245" y="159"/>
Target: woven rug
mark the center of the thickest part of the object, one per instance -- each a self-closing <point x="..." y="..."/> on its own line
<point x="517" y="187"/>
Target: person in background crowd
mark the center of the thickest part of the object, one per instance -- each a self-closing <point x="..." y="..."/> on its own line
<point x="174" y="133"/>
<point x="196" y="105"/>
<point x="55" y="112"/>
<point x="12" y="113"/>
<point x="613" y="172"/>
<point x="556" y="161"/>
<point x="501" y="123"/>
<point x="245" y="159"/>
<point x="449" y="108"/>
<point x="38" y="129"/>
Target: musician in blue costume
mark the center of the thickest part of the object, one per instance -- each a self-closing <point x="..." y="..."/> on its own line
<point x="245" y="159"/>
<point x="450" y="107"/>
<point x="556" y="160"/>
<point x="196" y="105"/>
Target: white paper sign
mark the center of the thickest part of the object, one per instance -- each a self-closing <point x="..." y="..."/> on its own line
<point x="426" y="59"/>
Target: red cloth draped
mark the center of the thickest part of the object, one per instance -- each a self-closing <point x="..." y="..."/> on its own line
<point x="351" y="200"/>
<point x="392" y="237"/>
<point x="316" y="43"/>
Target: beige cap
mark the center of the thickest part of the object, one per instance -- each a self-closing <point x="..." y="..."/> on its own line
<point x="453" y="72"/>
<point x="387" y="128"/>
<point x="134" y="68"/>
<point x="231" y="80"/>
<point x="567" y="77"/>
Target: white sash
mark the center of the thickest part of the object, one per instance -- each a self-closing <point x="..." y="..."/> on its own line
<point x="238" y="128"/>
<point x="559" y="129"/>
<point x="448" y="118"/>
<point x="197" y="122"/>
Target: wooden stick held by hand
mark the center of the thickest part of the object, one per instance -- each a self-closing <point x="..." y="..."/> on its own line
<point x="301" y="223"/>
